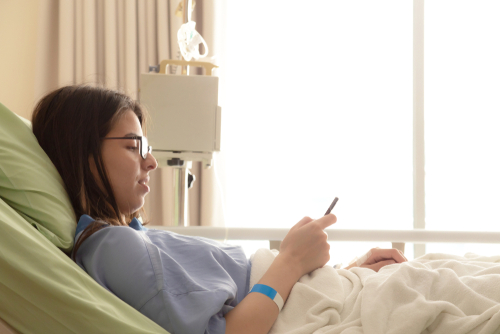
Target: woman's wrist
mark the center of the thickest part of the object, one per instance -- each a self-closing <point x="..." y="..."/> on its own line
<point x="290" y="265"/>
<point x="282" y="275"/>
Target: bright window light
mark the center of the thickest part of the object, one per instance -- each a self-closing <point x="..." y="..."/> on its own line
<point x="318" y="104"/>
<point x="462" y="117"/>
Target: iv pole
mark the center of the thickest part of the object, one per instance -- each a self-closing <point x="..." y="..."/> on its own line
<point x="186" y="17"/>
<point x="180" y="167"/>
<point x="181" y="185"/>
<point x="192" y="105"/>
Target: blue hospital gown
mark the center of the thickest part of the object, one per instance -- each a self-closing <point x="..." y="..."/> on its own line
<point x="185" y="284"/>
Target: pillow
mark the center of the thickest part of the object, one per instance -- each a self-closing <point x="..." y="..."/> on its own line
<point x="30" y="183"/>
<point x="43" y="291"/>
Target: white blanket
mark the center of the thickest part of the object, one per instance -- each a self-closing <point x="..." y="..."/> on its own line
<point x="436" y="293"/>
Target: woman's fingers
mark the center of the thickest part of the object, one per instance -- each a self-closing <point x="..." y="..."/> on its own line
<point x="323" y="222"/>
<point x="326" y="221"/>
<point x="377" y="266"/>
<point x="377" y="258"/>
<point x="378" y="255"/>
<point x="302" y="222"/>
<point x="306" y="244"/>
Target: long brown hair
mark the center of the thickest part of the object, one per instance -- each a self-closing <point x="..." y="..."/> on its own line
<point x="69" y="124"/>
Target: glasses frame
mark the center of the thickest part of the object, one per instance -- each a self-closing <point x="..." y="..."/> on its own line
<point x="149" y="148"/>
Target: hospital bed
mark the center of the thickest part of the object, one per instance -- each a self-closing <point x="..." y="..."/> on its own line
<point x="43" y="291"/>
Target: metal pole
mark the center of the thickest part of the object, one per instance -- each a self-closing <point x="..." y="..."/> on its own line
<point x="399" y="236"/>
<point x="186" y="17"/>
<point x="180" y="196"/>
<point x="180" y="176"/>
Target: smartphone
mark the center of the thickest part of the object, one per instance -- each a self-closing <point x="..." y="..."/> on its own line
<point x="331" y="206"/>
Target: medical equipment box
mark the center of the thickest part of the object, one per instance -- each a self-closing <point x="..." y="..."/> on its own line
<point x="185" y="116"/>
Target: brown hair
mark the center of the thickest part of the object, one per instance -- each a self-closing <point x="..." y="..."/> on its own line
<point x="69" y="124"/>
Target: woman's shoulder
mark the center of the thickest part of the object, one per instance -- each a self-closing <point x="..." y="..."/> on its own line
<point x="110" y="234"/>
<point x="86" y="220"/>
<point x="118" y="259"/>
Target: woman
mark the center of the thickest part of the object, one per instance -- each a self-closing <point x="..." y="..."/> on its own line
<point x="94" y="137"/>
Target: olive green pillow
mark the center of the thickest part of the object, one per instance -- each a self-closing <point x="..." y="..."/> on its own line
<point x="30" y="183"/>
<point x="43" y="291"/>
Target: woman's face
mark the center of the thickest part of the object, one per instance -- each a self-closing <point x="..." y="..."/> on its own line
<point x="127" y="170"/>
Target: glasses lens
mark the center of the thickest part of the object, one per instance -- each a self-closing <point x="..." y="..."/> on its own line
<point x="144" y="148"/>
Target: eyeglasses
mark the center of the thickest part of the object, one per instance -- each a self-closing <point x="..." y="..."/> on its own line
<point x="144" y="148"/>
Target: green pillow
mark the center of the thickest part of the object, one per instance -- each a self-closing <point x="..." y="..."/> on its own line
<point x="30" y="183"/>
<point x="43" y="291"/>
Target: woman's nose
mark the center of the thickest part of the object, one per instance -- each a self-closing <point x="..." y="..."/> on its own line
<point x="151" y="163"/>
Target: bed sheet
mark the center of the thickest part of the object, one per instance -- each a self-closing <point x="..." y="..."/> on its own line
<point x="437" y="293"/>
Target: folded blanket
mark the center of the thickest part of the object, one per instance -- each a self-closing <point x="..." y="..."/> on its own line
<point x="436" y="293"/>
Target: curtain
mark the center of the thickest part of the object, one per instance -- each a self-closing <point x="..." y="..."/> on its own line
<point x="109" y="43"/>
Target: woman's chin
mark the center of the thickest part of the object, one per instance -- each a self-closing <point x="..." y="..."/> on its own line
<point x="131" y="209"/>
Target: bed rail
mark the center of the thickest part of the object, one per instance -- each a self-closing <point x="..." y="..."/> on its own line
<point x="398" y="238"/>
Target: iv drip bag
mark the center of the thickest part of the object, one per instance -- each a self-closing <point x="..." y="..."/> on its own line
<point x="189" y="40"/>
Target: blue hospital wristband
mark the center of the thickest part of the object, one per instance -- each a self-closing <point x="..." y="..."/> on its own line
<point x="270" y="292"/>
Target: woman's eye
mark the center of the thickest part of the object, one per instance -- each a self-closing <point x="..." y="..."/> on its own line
<point x="132" y="148"/>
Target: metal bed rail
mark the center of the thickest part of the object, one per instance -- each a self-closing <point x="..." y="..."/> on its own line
<point x="398" y="238"/>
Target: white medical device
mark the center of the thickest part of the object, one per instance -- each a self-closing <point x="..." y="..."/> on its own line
<point x="185" y="115"/>
<point x="185" y="123"/>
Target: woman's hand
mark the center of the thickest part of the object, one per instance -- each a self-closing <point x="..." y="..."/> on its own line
<point x="378" y="258"/>
<point x="304" y="249"/>
<point x="306" y="244"/>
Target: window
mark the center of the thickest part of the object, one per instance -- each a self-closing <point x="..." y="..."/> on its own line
<point x="462" y="118"/>
<point x="319" y="103"/>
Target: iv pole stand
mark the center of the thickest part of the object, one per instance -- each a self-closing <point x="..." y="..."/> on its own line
<point x="182" y="178"/>
<point x="181" y="185"/>
<point x="187" y="8"/>
<point x="180" y="166"/>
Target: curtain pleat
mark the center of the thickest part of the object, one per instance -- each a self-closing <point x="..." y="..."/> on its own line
<point x="163" y="38"/>
<point x="131" y="79"/>
<point x="47" y="55"/>
<point x="211" y="17"/>
<point x="141" y="34"/>
<point x="66" y="49"/>
<point x="121" y="43"/>
<point x="152" y="52"/>
<point x="89" y="40"/>
<point x="78" y="47"/>
<point x="110" y="44"/>
<point x="100" y="63"/>
<point x="175" y="24"/>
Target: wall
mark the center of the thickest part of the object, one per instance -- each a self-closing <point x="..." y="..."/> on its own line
<point x="18" y="32"/>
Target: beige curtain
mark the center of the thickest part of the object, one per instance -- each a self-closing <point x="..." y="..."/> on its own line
<point x="109" y="43"/>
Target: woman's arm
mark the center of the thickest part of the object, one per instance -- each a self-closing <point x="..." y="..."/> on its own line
<point x="304" y="249"/>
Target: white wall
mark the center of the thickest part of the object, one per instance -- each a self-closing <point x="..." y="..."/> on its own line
<point x="18" y="32"/>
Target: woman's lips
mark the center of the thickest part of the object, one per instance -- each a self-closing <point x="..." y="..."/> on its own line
<point x="143" y="182"/>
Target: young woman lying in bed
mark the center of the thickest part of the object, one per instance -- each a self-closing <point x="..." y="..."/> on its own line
<point x="95" y="139"/>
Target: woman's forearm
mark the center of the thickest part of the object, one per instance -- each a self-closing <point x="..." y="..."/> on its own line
<point x="256" y="313"/>
<point x="305" y="248"/>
